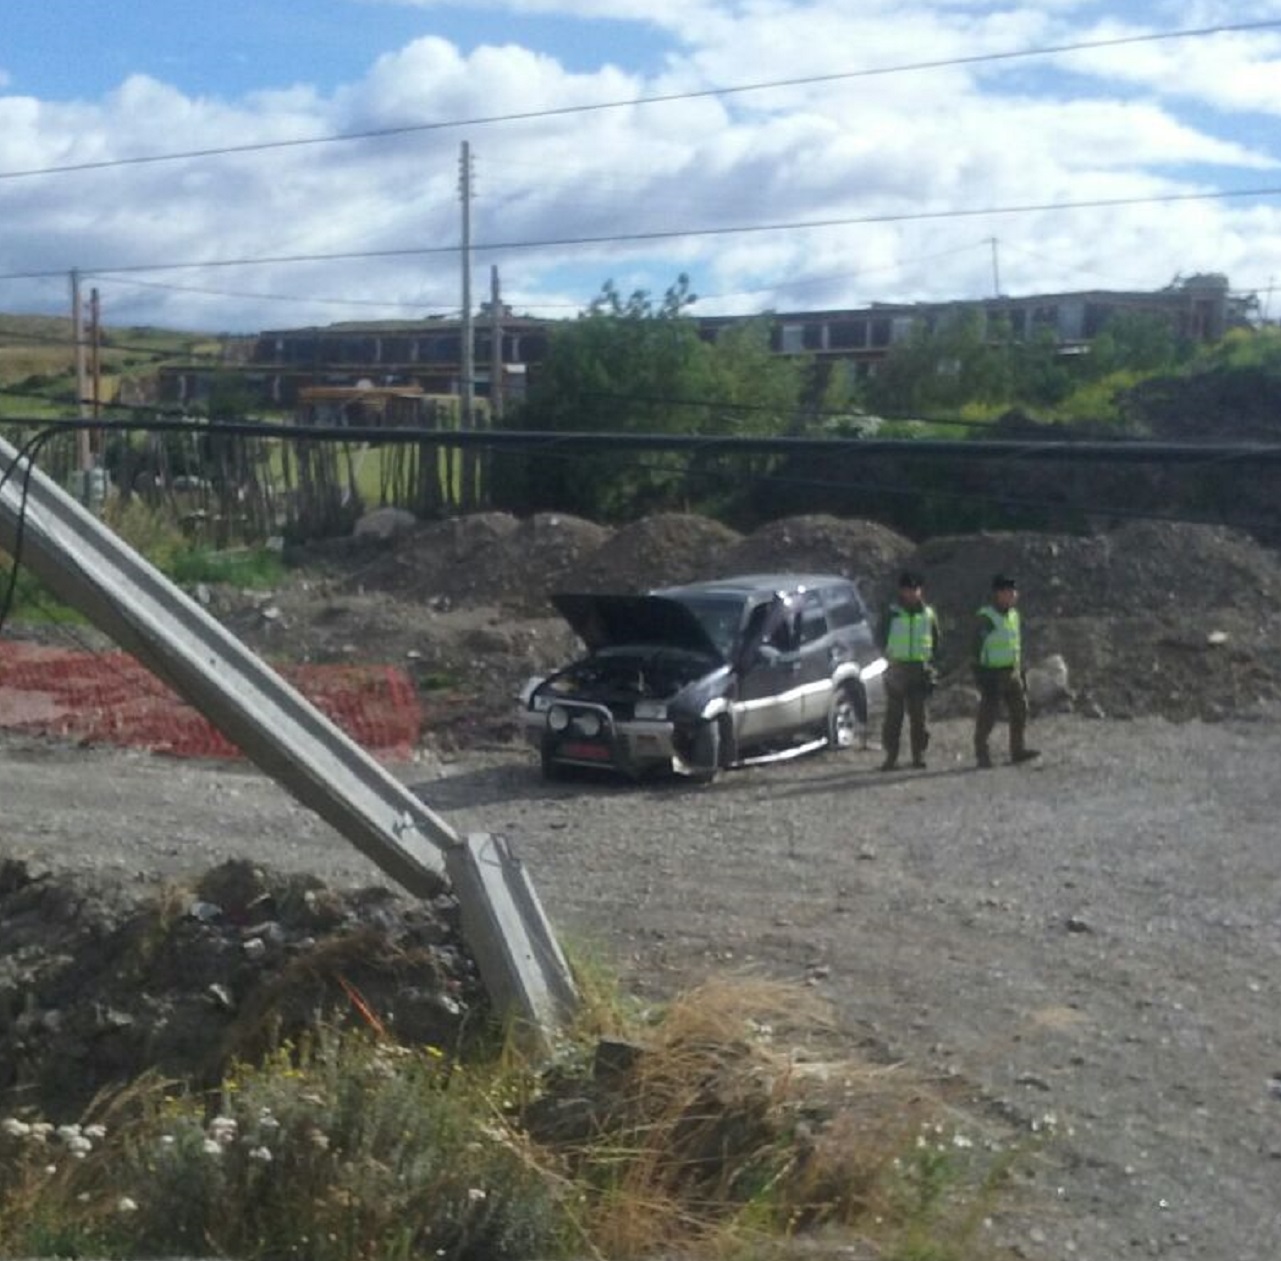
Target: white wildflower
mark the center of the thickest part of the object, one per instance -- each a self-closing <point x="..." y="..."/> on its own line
<point x="961" y="1141"/>
<point x="211" y="1147"/>
<point x="95" y="1132"/>
<point x="125" y="1205"/>
<point x="477" y="1194"/>
<point x="15" y="1128"/>
<point x="261" y="1153"/>
<point x="41" y="1129"/>
<point x="223" y="1130"/>
<point x="79" y="1146"/>
<point x="68" y="1132"/>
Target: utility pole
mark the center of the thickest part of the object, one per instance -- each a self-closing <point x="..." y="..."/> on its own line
<point x="84" y="454"/>
<point x="495" y="346"/>
<point x="468" y="366"/>
<point x="95" y="352"/>
<point x="996" y="268"/>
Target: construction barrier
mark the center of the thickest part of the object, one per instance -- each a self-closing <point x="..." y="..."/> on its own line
<point x="109" y="698"/>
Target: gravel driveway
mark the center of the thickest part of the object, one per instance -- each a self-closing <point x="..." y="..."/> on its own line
<point x="1097" y="936"/>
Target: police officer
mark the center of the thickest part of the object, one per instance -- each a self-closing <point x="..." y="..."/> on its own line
<point x="998" y="671"/>
<point x="910" y="641"/>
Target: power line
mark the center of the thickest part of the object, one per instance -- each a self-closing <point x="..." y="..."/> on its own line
<point x="277" y="297"/>
<point x="380" y="133"/>
<point x="1117" y="450"/>
<point x="668" y="234"/>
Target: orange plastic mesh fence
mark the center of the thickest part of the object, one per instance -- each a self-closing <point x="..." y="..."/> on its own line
<point x="111" y="698"/>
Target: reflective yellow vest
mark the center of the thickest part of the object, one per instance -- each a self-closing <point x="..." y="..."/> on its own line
<point x="911" y="634"/>
<point x="1002" y="646"/>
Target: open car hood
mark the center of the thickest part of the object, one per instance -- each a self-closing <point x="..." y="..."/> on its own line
<point x="611" y="621"/>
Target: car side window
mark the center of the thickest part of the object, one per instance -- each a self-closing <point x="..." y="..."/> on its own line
<point x="844" y="608"/>
<point x="813" y="619"/>
<point x="782" y="635"/>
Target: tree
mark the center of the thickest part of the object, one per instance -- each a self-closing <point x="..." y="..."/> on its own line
<point x="634" y="365"/>
<point x="939" y="369"/>
<point x="1136" y="341"/>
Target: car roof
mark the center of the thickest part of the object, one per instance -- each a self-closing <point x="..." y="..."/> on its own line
<point x="743" y="585"/>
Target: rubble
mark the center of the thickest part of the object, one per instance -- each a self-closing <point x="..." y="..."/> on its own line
<point x="101" y="980"/>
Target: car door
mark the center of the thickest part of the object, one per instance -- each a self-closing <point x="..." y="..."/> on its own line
<point x="771" y="697"/>
<point x="852" y="637"/>
<point x="819" y="650"/>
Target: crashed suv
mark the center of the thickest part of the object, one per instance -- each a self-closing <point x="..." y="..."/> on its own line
<point x="699" y="678"/>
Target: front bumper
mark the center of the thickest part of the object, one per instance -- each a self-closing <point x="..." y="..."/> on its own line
<point x="591" y="736"/>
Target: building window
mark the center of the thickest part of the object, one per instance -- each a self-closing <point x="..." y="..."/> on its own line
<point x="791" y="339"/>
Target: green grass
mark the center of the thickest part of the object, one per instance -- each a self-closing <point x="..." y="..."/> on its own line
<point x="256" y="568"/>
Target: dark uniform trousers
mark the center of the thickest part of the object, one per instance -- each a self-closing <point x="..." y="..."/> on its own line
<point x="907" y="686"/>
<point x="997" y="685"/>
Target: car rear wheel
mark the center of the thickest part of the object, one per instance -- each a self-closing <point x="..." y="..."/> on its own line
<point x="847" y="717"/>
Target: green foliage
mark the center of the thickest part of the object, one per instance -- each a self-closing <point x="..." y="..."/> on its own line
<point x="249" y="567"/>
<point x="1242" y="348"/>
<point x="633" y="365"/>
<point x="941" y="369"/>
<point x="1136" y="341"/>
<point x="1097" y="400"/>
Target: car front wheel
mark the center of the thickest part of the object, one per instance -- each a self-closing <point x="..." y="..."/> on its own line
<point x="847" y="718"/>
<point x="705" y="752"/>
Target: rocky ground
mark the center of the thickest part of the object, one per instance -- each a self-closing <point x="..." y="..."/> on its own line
<point x="1095" y="938"/>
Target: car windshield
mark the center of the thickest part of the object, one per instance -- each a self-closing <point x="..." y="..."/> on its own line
<point x="720" y="617"/>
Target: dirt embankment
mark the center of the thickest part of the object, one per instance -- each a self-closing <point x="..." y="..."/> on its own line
<point x="1154" y="618"/>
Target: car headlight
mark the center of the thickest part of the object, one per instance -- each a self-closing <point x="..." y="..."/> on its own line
<point x="557" y="718"/>
<point x="651" y="711"/>
<point x="588" y="723"/>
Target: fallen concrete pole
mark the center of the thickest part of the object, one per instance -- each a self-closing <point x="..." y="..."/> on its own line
<point x="91" y="569"/>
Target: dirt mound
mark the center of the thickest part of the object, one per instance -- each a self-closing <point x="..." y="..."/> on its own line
<point x="106" y="980"/>
<point x="483" y="558"/>
<point x="657" y="551"/>
<point x="823" y="544"/>
<point x="1154" y="618"/>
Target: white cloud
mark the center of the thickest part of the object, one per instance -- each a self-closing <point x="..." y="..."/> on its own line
<point x="1148" y="121"/>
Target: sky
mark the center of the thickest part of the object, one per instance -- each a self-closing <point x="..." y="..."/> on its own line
<point x="257" y="164"/>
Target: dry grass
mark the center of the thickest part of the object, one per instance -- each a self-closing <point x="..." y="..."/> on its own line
<point x="723" y="1127"/>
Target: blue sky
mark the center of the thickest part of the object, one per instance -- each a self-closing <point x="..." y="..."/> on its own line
<point x="75" y="49"/>
<point x="876" y="175"/>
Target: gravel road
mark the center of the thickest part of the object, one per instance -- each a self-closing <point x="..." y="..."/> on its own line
<point x="1097" y="936"/>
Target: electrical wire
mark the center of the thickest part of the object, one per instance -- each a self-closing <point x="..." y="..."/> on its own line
<point x="28" y="451"/>
<point x="380" y="133"/>
<point x="669" y="234"/>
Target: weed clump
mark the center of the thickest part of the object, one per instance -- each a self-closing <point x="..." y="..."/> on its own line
<point x="715" y="1128"/>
